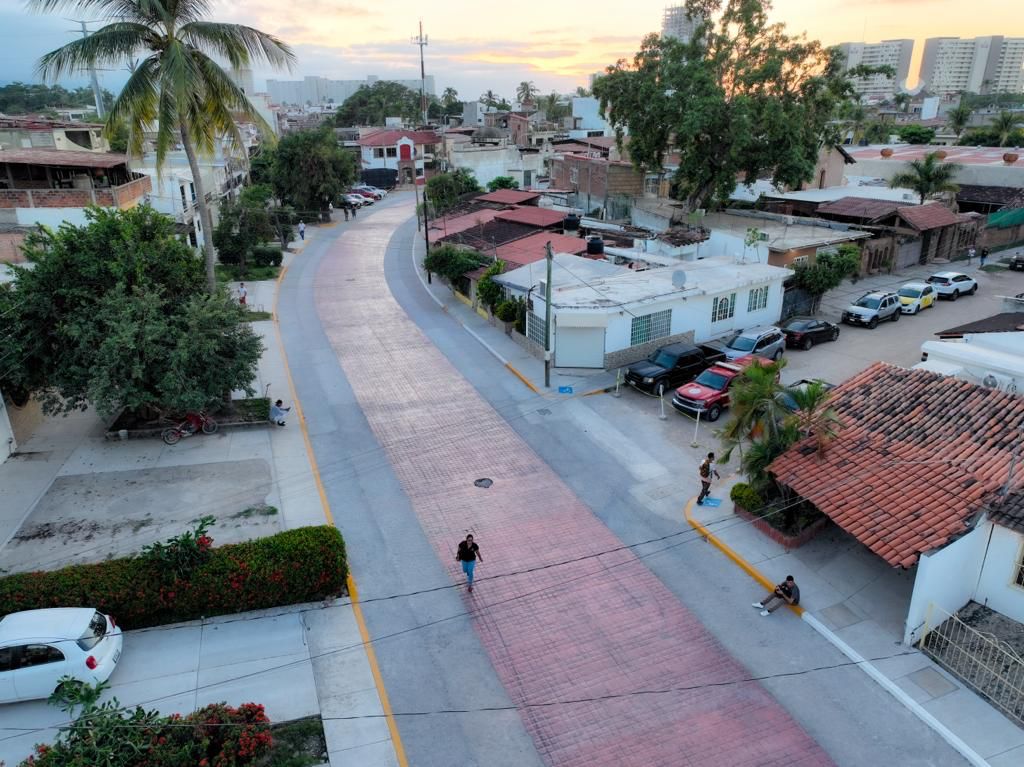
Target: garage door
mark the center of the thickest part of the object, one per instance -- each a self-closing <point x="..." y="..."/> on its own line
<point x="579" y="347"/>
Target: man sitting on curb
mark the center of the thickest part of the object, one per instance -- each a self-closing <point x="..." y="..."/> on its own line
<point x="787" y="592"/>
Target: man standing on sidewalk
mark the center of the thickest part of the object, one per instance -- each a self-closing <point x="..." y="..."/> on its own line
<point x="706" y="470"/>
<point x="302" y="229"/>
<point x="468" y="553"/>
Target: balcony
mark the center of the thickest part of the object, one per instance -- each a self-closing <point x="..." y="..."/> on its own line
<point x="65" y="179"/>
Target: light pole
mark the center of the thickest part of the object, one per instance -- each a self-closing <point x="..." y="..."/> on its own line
<point x="547" y="319"/>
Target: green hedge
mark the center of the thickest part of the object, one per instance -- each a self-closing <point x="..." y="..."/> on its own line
<point x="267" y="255"/>
<point x="746" y="497"/>
<point x="302" y="565"/>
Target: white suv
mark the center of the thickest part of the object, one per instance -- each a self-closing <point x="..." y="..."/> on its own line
<point x="952" y="285"/>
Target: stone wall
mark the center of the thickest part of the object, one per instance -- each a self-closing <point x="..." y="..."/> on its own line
<point x="529" y="344"/>
<point x="628" y="356"/>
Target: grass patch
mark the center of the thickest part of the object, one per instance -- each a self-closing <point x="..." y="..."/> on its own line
<point x="992" y="268"/>
<point x="251" y="408"/>
<point x="297" y="744"/>
<point x="254" y="316"/>
<point x="263" y="510"/>
<point x="226" y="273"/>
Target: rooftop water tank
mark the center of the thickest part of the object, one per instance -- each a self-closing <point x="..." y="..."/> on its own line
<point x="595" y="246"/>
<point x="571" y="223"/>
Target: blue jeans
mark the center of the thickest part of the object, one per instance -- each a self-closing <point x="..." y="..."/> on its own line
<point x="467" y="568"/>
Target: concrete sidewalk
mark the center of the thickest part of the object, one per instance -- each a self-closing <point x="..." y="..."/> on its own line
<point x="851" y="596"/>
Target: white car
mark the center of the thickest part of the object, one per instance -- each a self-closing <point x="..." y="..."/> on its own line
<point x="356" y="200"/>
<point x="39" y="647"/>
<point x="915" y="296"/>
<point x="952" y="285"/>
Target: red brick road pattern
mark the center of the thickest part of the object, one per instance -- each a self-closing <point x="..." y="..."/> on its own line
<point x="605" y="626"/>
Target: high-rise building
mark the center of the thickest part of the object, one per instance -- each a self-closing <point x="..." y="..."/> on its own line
<point x="243" y="79"/>
<point x="888" y="53"/>
<point x="320" y="90"/>
<point x="675" y="23"/>
<point x="992" y="64"/>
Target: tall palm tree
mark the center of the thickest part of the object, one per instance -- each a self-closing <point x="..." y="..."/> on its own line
<point x="958" y="118"/>
<point x="756" y="406"/>
<point x="177" y="84"/>
<point x="814" y="416"/>
<point x="527" y="92"/>
<point x="928" y="176"/>
<point x="488" y="98"/>
<point x="902" y="101"/>
<point x="1004" y="126"/>
<point x="583" y="92"/>
<point x="450" y="97"/>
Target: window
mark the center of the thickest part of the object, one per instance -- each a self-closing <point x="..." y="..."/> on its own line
<point x="648" y="327"/>
<point x="723" y="307"/>
<point x="379" y="153"/>
<point x="39" y="654"/>
<point x="392" y="151"/>
<point x="800" y="260"/>
<point x="757" y="299"/>
<point x="94" y="633"/>
<point x="6" y="659"/>
<point x="574" y="175"/>
<point x="1019" y="568"/>
<point x="535" y="328"/>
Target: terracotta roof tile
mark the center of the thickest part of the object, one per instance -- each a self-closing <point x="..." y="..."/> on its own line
<point x="864" y="208"/>
<point x="919" y="457"/>
<point x="530" y="249"/>
<point x="540" y="217"/>
<point x="60" y="157"/>
<point x="925" y="217"/>
<point x="509" y="197"/>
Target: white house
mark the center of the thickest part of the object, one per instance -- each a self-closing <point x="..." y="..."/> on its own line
<point x="487" y="161"/>
<point x="404" y="151"/>
<point x="587" y="119"/>
<point x="608" y="321"/>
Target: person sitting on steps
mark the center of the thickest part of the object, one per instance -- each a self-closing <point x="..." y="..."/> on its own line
<point x="277" y="411"/>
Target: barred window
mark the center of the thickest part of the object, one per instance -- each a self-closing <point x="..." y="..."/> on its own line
<point x="535" y="328"/>
<point x="1019" y="579"/>
<point x="648" y="327"/>
<point x="757" y="299"/>
<point x="723" y="307"/>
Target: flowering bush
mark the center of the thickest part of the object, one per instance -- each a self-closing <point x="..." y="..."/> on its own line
<point x="302" y="565"/>
<point x="183" y="553"/>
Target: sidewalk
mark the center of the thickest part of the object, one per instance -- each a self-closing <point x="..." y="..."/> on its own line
<point x="852" y="598"/>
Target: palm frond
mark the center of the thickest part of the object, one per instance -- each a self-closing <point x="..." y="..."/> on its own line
<point x="239" y="44"/>
<point x="112" y="44"/>
<point x="229" y="99"/>
<point x="138" y="103"/>
<point x="126" y="10"/>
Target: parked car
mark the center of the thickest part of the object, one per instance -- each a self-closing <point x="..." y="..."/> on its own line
<point x="378" y="194"/>
<point x="1017" y="262"/>
<point x="367" y="197"/>
<point x="952" y="285"/>
<point x="39" y="647"/>
<point x="355" y="199"/>
<point x="789" y="402"/>
<point x="671" y="366"/>
<point x="872" y="308"/>
<point x="708" y="394"/>
<point x="915" y="296"/>
<point x="766" y="341"/>
<point x="805" y="332"/>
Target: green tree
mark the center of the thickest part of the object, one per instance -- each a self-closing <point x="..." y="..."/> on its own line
<point x="1004" y="125"/>
<point x="488" y="291"/>
<point x="582" y="92"/>
<point x="489" y="98"/>
<point x="916" y="134"/>
<point x="113" y="314"/>
<point x="310" y="170"/>
<point x="813" y="415"/>
<point x="371" y="104"/>
<point x="502" y="182"/>
<point x="452" y="262"/>
<point x="756" y="406"/>
<point x="928" y="176"/>
<point x="879" y="131"/>
<point x="553" y="106"/>
<point x="958" y="118"/>
<point x="444" y="190"/>
<point x="902" y="101"/>
<point x="242" y="225"/>
<point x="988" y="137"/>
<point x="178" y="86"/>
<point x="740" y="101"/>
<point x="828" y="271"/>
<point x="450" y="97"/>
<point x="527" y="92"/>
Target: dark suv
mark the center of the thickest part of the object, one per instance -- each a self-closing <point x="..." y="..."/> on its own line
<point x="1017" y="262"/>
<point x="671" y="366"/>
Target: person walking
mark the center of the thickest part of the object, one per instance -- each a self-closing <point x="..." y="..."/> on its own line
<point x="468" y="553"/>
<point x="242" y="293"/>
<point x="344" y="208"/>
<point x="984" y="255"/>
<point x="786" y="592"/>
<point x="970" y="255"/>
<point x="302" y="229"/>
<point x="706" y="470"/>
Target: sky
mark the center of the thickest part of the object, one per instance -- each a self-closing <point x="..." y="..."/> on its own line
<point x="476" y="46"/>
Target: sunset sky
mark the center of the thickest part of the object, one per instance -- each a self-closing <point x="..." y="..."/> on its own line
<point x="478" y="45"/>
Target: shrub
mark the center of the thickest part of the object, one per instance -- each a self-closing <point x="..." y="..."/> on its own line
<point x="452" y="262"/>
<point x="266" y="255"/>
<point x="487" y="290"/>
<point x="507" y="311"/>
<point x="302" y="565"/>
<point x="746" y="497"/>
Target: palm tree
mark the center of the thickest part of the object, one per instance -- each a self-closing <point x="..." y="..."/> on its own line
<point x="450" y="97"/>
<point x="902" y="101"/>
<point x="756" y="406"/>
<point x="178" y="85"/>
<point x="527" y="92"/>
<point x="958" y="118"/>
<point x="814" y="416"/>
<point x="879" y="131"/>
<point x="1004" y="126"/>
<point x="928" y="176"/>
<point x="489" y="98"/>
<point x="582" y="92"/>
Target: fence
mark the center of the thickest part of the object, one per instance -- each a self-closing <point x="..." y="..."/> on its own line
<point x="989" y="666"/>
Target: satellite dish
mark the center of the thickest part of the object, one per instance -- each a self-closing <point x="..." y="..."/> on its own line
<point x="679" y="278"/>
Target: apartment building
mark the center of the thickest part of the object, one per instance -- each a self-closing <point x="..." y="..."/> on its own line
<point x="321" y="90"/>
<point x="977" y="65"/>
<point x="888" y="53"/>
<point x="675" y="23"/>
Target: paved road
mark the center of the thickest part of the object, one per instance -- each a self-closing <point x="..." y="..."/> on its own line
<point x="613" y="624"/>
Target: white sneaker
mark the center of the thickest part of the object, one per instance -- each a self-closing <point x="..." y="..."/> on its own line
<point x="765" y="613"/>
<point x="758" y="605"/>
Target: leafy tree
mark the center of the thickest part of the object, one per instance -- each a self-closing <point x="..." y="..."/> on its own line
<point x="928" y="176"/>
<point x="902" y="101"/>
<point x="988" y="137"/>
<point x="310" y="170"/>
<point x="371" y="104"/>
<point x="814" y="416"/>
<point x="1004" y="125"/>
<point x="527" y="92"/>
<point x="582" y="92"/>
<point x="880" y="131"/>
<point x="958" y="118"/>
<point x="178" y="86"/>
<point x="487" y="290"/>
<point x="502" y="182"/>
<point x="756" y="406"/>
<point x="113" y="314"/>
<point x="740" y="101"/>
<point x="488" y="98"/>
<point x="916" y="134"/>
<point x="20" y="98"/>
<point x="452" y="262"/>
<point x="450" y="97"/>
<point x="446" y="189"/>
<point x="241" y="227"/>
<point x="828" y="271"/>
<point x="553" y="106"/>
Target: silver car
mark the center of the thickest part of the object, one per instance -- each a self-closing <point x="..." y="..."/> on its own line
<point x="872" y="308"/>
<point x="765" y="341"/>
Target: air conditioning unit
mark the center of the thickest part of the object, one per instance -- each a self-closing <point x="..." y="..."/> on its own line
<point x="999" y="382"/>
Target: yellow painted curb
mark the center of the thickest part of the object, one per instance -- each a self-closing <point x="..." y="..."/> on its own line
<point x="744" y="565"/>
<point x="371" y="656"/>
<point x="522" y="378"/>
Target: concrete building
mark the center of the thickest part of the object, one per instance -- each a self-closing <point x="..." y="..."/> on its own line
<point x="500" y="157"/>
<point x="675" y="23"/>
<point x="243" y="79"/>
<point x="43" y="133"/>
<point x="403" y="151"/>
<point x="587" y="119"/>
<point x="992" y="64"/>
<point x="597" y="182"/>
<point x="321" y="90"/>
<point x="888" y="53"/>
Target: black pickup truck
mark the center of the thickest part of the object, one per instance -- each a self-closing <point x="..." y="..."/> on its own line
<point x="671" y="366"/>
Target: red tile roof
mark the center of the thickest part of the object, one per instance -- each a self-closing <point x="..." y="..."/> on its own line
<point x="509" y="197"/>
<point x="391" y="137"/>
<point x="55" y="157"/>
<point x="442" y="227"/>
<point x="529" y="249"/>
<point x="919" y="457"/>
<point x="859" y="207"/>
<point x="925" y="217"/>
<point x="542" y="217"/>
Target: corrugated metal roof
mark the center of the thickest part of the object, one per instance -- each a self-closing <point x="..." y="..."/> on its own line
<point x="57" y="157"/>
<point x="542" y="217"/>
<point x="509" y="196"/>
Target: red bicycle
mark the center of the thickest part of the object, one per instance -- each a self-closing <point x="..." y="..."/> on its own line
<point x="193" y="423"/>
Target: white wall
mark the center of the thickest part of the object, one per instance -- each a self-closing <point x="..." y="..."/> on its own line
<point x="997" y="588"/>
<point x="52" y="217"/>
<point x="946" y="578"/>
<point x="731" y="245"/>
<point x="1011" y="341"/>
<point x="487" y="163"/>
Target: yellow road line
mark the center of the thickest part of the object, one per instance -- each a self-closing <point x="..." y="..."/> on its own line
<point x="371" y="656"/>
<point x="522" y="378"/>
<point x="744" y="565"/>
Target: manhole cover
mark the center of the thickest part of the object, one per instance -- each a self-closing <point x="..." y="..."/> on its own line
<point x="484" y="482"/>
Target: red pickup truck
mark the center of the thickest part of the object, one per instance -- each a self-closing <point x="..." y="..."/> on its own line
<point x="708" y="394"/>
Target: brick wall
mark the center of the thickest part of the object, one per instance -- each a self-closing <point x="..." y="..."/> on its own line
<point x="13" y="198"/>
<point x="628" y="356"/>
<point x="124" y="196"/>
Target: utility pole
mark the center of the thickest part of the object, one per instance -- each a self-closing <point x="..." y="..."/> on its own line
<point x="421" y="41"/>
<point x="547" y="320"/>
<point x="97" y="94"/>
